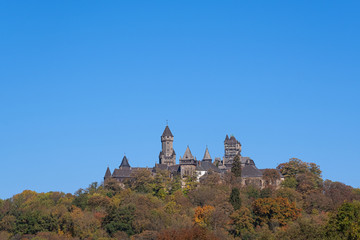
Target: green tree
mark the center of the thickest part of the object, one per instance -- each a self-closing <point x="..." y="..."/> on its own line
<point x="345" y="223"/>
<point x="119" y="219"/>
<point x="236" y="167"/>
<point x="235" y="198"/>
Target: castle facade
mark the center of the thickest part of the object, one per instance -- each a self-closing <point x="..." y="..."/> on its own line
<point x="189" y="166"/>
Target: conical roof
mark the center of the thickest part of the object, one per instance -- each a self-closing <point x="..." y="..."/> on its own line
<point x="207" y="155"/>
<point x="187" y="154"/>
<point x="124" y="162"/>
<point x="226" y="138"/>
<point x="108" y="173"/>
<point x="167" y="132"/>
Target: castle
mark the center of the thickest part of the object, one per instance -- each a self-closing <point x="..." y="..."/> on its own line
<point x="189" y="166"/>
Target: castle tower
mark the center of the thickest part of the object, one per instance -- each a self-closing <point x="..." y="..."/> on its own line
<point x="207" y="157"/>
<point x="107" y="174"/>
<point x="232" y="148"/>
<point x="167" y="155"/>
<point x="187" y="163"/>
<point x="124" y="163"/>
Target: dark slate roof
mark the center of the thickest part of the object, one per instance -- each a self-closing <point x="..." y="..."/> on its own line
<point x="199" y="168"/>
<point x="124" y="163"/>
<point x="167" y="132"/>
<point x="247" y="160"/>
<point x="108" y="173"/>
<point x="126" y="172"/>
<point x="172" y="168"/>
<point x="250" y="171"/>
<point x="208" y="166"/>
<point x="160" y="167"/>
<point x="122" y="173"/>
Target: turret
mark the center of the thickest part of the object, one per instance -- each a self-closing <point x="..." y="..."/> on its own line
<point x="107" y="174"/>
<point x="124" y="163"/>
<point x="167" y="155"/>
<point x="187" y="163"/>
<point x="207" y="157"/>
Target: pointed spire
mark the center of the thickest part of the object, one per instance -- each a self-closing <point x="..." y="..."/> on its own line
<point x="108" y="173"/>
<point x="226" y="138"/>
<point x="188" y="154"/>
<point x="167" y="132"/>
<point x="124" y="162"/>
<point x="207" y="156"/>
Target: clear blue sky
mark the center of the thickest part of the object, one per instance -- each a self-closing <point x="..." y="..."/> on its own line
<point x="82" y="82"/>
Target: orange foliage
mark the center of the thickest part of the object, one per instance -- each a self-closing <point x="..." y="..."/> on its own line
<point x="279" y="209"/>
<point x="202" y="215"/>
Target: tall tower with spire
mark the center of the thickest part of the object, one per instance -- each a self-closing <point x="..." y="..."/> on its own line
<point x="167" y="155"/>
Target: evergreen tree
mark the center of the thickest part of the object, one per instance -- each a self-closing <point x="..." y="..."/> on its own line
<point x="236" y="167"/>
<point x="235" y="198"/>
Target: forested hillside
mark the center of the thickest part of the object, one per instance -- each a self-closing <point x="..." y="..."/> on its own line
<point x="156" y="207"/>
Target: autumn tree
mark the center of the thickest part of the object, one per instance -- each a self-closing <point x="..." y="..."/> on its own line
<point x="203" y="215"/>
<point x="306" y="177"/>
<point x="271" y="176"/>
<point x="274" y="209"/>
<point x="196" y="232"/>
<point x="190" y="184"/>
<point x="337" y="193"/>
<point x="142" y="181"/>
<point x="306" y="227"/>
<point x="241" y="222"/>
<point x="161" y="184"/>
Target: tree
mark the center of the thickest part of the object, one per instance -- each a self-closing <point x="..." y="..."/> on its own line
<point x="235" y="198"/>
<point x="236" y="167"/>
<point x="338" y="193"/>
<point x="307" y="176"/>
<point x="241" y="222"/>
<point x="190" y="184"/>
<point x="307" y="227"/>
<point x="113" y="186"/>
<point x="142" y="181"/>
<point x="7" y="223"/>
<point x="196" y="232"/>
<point x="271" y="176"/>
<point x="345" y="223"/>
<point x="203" y="215"/>
<point x="295" y="166"/>
<point x="275" y="209"/>
<point x="119" y="219"/>
<point x="162" y="184"/>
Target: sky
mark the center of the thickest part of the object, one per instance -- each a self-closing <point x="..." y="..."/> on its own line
<point x="84" y="82"/>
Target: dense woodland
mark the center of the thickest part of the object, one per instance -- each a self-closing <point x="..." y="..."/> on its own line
<point x="157" y="207"/>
